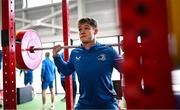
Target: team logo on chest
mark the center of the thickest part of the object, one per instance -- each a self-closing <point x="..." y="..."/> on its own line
<point x="102" y="57"/>
<point x="78" y="58"/>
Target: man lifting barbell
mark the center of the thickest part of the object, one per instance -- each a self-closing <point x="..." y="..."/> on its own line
<point x="93" y="63"/>
<point x="96" y="89"/>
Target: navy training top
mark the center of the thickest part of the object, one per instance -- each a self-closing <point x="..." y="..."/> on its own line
<point x="94" y="70"/>
<point x="62" y="75"/>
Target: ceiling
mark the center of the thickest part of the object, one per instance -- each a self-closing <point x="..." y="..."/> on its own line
<point x="47" y="19"/>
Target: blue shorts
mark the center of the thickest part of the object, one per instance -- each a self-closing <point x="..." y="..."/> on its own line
<point x="28" y="80"/>
<point x="45" y="85"/>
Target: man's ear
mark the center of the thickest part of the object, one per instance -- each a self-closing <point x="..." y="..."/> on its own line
<point x="96" y="31"/>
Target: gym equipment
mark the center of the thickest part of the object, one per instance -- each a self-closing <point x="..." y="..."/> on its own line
<point x="8" y="53"/>
<point x="24" y="94"/>
<point x="149" y="63"/>
<point x="29" y="49"/>
<point x="32" y="49"/>
<point x="26" y="59"/>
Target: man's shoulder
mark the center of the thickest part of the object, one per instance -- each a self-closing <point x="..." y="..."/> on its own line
<point x="47" y="60"/>
<point x="76" y="50"/>
<point x="105" y="47"/>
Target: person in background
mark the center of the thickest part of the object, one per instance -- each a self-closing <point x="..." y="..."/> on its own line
<point x="28" y="79"/>
<point x="28" y="76"/>
<point x="93" y="63"/>
<point x="48" y="72"/>
<point x="74" y="85"/>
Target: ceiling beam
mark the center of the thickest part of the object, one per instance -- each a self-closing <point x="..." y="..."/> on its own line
<point x="40" y="21"/>
<point x="72" y="6"/>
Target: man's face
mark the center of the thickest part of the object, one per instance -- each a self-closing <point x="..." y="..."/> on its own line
<point x="87" y="33"/>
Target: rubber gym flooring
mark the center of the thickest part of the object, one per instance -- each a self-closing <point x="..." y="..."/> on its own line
<point x="36" y="103"/>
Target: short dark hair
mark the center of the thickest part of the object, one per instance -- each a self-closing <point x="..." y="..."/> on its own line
<point x="92" y="22"/>
<point x="47" y="54"/>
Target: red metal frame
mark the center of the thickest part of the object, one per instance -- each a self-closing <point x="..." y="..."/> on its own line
<point x="150" y="60"/>
<point x="8" y="51"/>
<point x="68" y="80"/>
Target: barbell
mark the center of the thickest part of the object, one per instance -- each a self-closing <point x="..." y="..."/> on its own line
<point x="29" y="49"/>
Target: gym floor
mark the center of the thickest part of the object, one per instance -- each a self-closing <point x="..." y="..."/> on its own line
<point x="36" y="103"/>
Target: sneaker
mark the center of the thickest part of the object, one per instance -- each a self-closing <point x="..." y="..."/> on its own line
<point x="63" y="99"/>
<point x="52" y="107"/>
